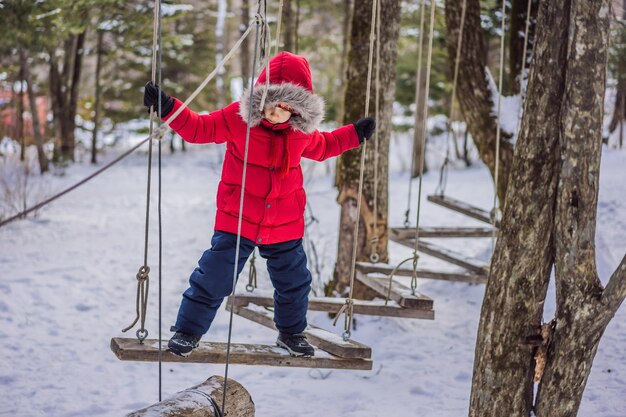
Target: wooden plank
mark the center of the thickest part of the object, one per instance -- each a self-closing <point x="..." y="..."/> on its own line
<point x="461" y="207"/>
<point x="446" y="255"/>
<point x="469" y="277"/>
<point x="400" y="293"/>
<point x="333" y="305"/>
<point x="320" y="338"/>
<point x="129" y="349"/>
<point x="442" y="232"/>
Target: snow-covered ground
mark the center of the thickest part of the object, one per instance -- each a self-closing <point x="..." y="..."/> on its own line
<point x="67" y="285"/>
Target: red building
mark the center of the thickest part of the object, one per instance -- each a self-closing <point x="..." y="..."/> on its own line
<point x="8" y="115"/>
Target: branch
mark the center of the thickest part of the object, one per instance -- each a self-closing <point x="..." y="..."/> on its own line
<point x="615" y="291"/>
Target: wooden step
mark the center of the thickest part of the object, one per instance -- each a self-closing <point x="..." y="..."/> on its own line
<point x="400" y="293"/>
<point x="442" y="232"/>
<point x="320" y="338"/>
<point x="129" y="349"/>
<point x="333" y="305"/>
<point x="446" y="255"/>
<point x="461" y="207"/>
<point x="469" y="277"/>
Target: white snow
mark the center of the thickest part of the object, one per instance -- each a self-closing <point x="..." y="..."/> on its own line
<point x="509" y="108"/>
<point x="67" y="286"/>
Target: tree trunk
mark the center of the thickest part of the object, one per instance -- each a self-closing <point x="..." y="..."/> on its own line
<point x="20" y="116"/>
<point x="473" y="92"/>
<point x="619" y="112"/>
<point x="64" y="93"/>
<point x="349" y="163"/>
<point x="219" y="50"/>
<point x="245" y="45"/>
<point x="41" y="155"/>
<point x="581" y="315"/>
<point x="523" y="257"/>
<point x="67" y="147"/>
<point x="549" y="215"/>
<point x="96" y="117"/>
<point x="419" y="142"/>
<point x="296" y="28"/>
<point x="345" y="42"/>
<point x="621" y="125"/>
<point x="288" y="26"/>
<point x="195" y="401"/>
<point x="519" y="11"/>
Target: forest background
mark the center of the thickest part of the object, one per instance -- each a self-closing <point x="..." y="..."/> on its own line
<point x="90" y="59"/>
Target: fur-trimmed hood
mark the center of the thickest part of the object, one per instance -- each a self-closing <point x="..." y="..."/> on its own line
<point x="290" y="83"/>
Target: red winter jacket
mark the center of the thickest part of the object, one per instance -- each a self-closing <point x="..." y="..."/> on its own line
<point x="274" y="199"/>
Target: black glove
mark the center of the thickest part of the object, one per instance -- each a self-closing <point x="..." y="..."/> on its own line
<point x="365" y="128"/>
<point x="151" y="98"/>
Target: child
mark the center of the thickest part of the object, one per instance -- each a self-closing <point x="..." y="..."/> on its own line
<point x="274" y="203"/>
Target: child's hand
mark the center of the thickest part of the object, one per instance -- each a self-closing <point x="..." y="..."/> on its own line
<point x="365" y="128"/>
<point x="151" y="98"/>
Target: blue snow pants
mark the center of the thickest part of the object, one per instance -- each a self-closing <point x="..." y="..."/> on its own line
<point x="212" y="281"/>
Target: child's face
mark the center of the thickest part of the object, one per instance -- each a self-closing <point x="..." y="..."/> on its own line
<point x="276" y="114"/>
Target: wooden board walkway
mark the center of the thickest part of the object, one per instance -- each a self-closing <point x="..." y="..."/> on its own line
<point x="400" y="293"/>
<point x="129" y="349"/>
<point x="469" y="277"/>
<point x="461" y="207"/>
<point x="320" y="338"/>
<point x="442" y="232"/>
<point x="333" y="305"/>
<point x="444" y="254"/>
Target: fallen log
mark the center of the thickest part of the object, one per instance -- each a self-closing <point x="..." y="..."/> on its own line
<point x="204" y="400"/>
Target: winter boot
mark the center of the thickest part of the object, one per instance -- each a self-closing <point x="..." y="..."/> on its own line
<point x="296" y="344"/>
<point x="182" y="344"/>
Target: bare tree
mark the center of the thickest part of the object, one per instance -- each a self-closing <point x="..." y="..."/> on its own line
<point x="549" y="221"/>
<point x="348" y="167"/>
<point x="418" y="129"/>
<point x="289" y="26"/>
<point x="245" y="45"/>
<point x="19" y="113"/>
<point x="64" y="88"/>
<point x="345" y="43"/>
<point x="97" y="93"/>
<point x="41" y="155"/>
<point x="517" y="40"/>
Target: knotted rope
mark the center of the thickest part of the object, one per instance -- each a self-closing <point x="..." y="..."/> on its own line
<point x="347" y="308"/>
<point x="415" y="256"/>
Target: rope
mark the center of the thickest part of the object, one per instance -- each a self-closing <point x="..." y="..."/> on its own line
<point x="252" y="275"/>
<point x="259" y="21"/>
<point x="374" y="257"/>
<point x="143" y="277"/>
<point x="495" y="211"/>
<point x="141" y="303"/>
<point x="347" y="308"/>
<point x="256" y="20"/>
<point x="265" y="47"/>
<point x="415" y="256"/>
<point x="443" y="173"/>
<point x="160" y="214"/>
<point x="418" y="87"/>
<point x="49" y="200"/>
<point x="157" y="135"/>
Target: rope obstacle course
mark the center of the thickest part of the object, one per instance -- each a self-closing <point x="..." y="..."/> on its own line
<point x="401" y="301"/>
